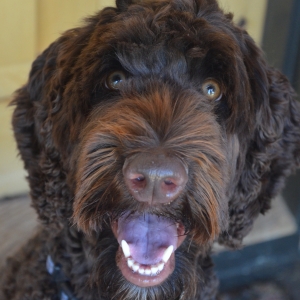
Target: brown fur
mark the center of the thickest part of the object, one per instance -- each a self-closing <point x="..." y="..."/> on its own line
<point x="74" y="135"/>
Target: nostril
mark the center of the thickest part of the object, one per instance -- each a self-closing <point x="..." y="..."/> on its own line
<point x="137" y="178"/>
<point x="137" y="181"/>
<point x="169" y="182"/>
<point x="170" y="189"/>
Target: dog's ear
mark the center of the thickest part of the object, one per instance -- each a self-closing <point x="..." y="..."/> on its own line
<point x="37" y="108"/>
<point x="32" y="124"/>
<point x="272" y="150"/>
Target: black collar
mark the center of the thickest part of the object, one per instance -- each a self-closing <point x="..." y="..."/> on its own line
<point x="62" y="282"/>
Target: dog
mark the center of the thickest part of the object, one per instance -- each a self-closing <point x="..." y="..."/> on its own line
<point x="148" y="134"/>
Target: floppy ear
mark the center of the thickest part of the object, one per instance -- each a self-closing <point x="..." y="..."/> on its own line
<point x="32" y="126"/>
<point x="272" y="152"/>
<point x="37" y="104"/>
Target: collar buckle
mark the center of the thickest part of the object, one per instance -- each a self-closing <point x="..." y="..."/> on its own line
<point x="62" y="282"/>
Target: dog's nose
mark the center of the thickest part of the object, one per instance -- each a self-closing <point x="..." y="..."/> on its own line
<point x="155" y="178"/>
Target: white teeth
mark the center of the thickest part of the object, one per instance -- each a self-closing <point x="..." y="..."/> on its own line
<point x="135" y="267"/>
<point x="167" y="253"/>
<point x="130" y="262"/>
<point x="154" y="270"/>
<point x="125" y="248"/>
<point x="160" y="266"/>
<point x="148" y="270"/>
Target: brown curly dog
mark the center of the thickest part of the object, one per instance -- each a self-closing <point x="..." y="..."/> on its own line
<point x="149" y="133"/>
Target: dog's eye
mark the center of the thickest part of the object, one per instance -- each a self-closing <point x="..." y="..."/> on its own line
<point x="115" y="79"/>
<point x="212" y="89"/>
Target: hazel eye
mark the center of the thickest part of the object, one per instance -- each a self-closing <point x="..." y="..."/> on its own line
<point x="114" y="80"/>
<point x="212" y="89"/>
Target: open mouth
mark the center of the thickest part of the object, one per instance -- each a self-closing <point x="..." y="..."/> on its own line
<point x="146" y="255"/>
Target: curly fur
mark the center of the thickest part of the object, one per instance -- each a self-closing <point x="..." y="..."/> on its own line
<point x="74" y="134"/>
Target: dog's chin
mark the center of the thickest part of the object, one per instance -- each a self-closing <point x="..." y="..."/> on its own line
<point x="144" y="280"/>
<point x="147" y="245"/>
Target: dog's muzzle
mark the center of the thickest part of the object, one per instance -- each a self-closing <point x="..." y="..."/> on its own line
<point x="152" y="166"/>
<point x="147" y="245"/>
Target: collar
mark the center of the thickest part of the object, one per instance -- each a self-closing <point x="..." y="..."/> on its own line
<point x="62" y="282"/>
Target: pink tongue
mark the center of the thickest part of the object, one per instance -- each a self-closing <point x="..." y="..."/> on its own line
<point x="148" y="236"/>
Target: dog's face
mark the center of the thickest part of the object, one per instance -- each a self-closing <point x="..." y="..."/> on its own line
<point x="156" y="117"/>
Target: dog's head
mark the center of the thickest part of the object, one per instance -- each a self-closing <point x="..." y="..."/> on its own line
<point x="157" y="128"/>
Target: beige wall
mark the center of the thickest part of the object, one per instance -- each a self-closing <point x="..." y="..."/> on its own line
<point x="253" y="11"/>
<point x="17" y="31"/>
<point x="56" y="16"/>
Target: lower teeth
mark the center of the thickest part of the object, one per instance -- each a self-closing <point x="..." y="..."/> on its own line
<point x="149" y="270"/>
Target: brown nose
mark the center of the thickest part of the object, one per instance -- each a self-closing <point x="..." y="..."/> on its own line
<point x="154" y="178"/>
